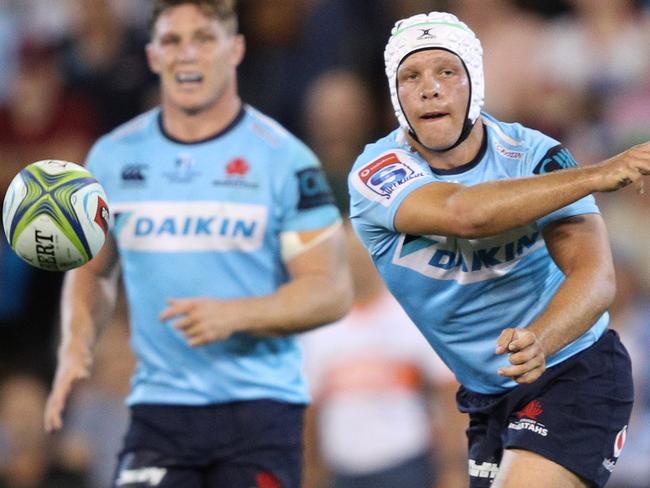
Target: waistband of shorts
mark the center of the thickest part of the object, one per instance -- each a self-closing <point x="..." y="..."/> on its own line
<point x="469" y="401"/>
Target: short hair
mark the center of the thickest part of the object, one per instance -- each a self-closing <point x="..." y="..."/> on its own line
<point x="224" y="10"/>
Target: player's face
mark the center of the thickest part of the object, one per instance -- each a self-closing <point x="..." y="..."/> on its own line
<point x="433" y="89"/>
<point x="196" y="58"/>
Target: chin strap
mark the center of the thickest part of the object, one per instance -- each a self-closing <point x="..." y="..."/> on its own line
<point x="464" y="134"/>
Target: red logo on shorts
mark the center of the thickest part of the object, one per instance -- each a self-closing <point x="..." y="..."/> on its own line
<point x="267" y="480"/>
<point x="619" y="442"/>
<point x="532" y="410"/>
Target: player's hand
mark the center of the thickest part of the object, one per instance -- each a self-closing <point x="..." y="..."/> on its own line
<point x="526" y="355"/>
<point x="74" y="366"/>
<point x="203" y="320"/>
<point x="625" y="168"/>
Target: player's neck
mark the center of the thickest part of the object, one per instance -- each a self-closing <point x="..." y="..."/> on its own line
<point x="197" y="126"/>
<point x="458" y="156"/>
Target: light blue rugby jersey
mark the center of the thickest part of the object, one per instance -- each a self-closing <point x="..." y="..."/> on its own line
<point x="204" y="219"/>
<point x="461" y="293"/>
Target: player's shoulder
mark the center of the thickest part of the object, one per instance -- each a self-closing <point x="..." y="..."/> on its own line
<point x="539" y="152"/>
<point x="268" y="131"/>
<point x="121" y="142"/>
<point x="271" y="137"/>
<point x="390" y="149"/>
<point x="386" y="159"/>
<point x="390" y="143"/>
<point x="134" y="131"/>
<point x="137" y="128"/>
<point x="514" y="136"/>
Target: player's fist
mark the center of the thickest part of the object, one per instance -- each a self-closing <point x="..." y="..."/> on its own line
<point x="526" y="355"/>
<point x="204" y="320"/>
<point x="624" y="169"/>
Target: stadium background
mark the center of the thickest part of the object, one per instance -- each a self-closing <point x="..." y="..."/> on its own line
<point x="73" y="69"/>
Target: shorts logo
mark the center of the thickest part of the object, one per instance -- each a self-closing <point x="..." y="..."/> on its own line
<point x="267" y="480"/>
<point x="150" y="476"/>
<point x="532" y="410"/>
<point x="528" y="419"/>
<point x="619" y="442"/>
<point x="384" y="175"/>
<point x="483" y="470"/>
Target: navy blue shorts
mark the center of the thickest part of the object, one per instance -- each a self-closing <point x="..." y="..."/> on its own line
<point x="252" y="444"/>
<point x="575" y="414"/>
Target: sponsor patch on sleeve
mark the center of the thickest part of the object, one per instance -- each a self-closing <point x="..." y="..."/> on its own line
<point x="558" y="157"/>
<point x="388" y="175"/>
<point x="313" y="188"/>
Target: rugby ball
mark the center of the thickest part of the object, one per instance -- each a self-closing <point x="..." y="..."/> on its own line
<point x="55" y="215"/>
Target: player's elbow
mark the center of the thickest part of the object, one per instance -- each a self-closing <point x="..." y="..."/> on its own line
<point x="607" y="290"/>
<point x="603" y="278"/>
<point x="470" y="222"/>
<point x="598" y="284"/>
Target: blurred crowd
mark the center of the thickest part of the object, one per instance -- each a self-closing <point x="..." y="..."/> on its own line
<point x="71" y="70"/>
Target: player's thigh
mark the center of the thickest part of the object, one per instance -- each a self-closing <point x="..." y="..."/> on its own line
<point x="525" y="468"/>
<point x="251" y="477"/>
<point x="271" y="467"/>
<point x="269" y="454"/>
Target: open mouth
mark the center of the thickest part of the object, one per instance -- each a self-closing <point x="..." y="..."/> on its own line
<point x="189" y="78"/>
<point x="433" y="115"/>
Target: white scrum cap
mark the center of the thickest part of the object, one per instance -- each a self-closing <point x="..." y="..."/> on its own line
<point x="439" y="30"/>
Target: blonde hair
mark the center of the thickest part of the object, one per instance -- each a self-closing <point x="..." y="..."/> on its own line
<point x="224" y="10"/>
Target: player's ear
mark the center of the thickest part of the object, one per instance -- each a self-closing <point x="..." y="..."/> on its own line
<point x="152" y="58"/>
<point x="239" y="49"/>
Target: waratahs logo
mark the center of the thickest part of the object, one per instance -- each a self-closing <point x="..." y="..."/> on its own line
<point x="527" y="419"/>
<point x="532" y="410"/>
<point x="237" y="167"/>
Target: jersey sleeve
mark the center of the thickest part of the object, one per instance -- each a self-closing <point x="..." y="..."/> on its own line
<point x="555" y="158"/>
<point x="377" y="189"/>
<point x="307" y="200"/>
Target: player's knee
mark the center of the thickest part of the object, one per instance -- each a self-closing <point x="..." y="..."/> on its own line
<point x="520" y="467"/>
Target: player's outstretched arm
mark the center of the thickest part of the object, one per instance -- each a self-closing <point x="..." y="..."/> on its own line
<point x="319" y="292"/>
<point x="490" y="208"/>
<point x="580" y="247"/>
<point x="88" y="299"/>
